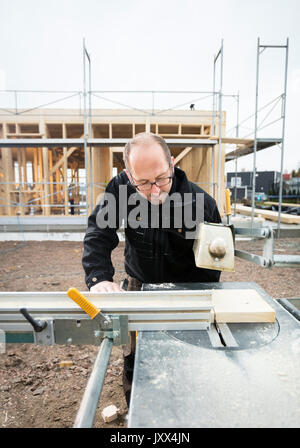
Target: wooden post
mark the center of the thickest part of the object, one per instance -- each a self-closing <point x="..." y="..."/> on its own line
<point x="102" y="168"/>
<point x="7" y="172"/>
<point x="35" y="167"/>
<point x="21" y="178"/>
<point x="24" y="165"/>
<point x="24" y="183"/>
<point x="51" y="176"/>
<point x="45" y="164"/>
<point x="147" y="125"/>
<point x="40" y="165"/>
<point x="57" y="179"/>
<point x="46" y="201"/>
<point x="77" y="196"/>
<point x="65" y="173"/>
<point x="36" y="177"/>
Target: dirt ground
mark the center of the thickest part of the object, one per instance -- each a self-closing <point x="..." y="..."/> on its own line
<point x="35" y="392"/>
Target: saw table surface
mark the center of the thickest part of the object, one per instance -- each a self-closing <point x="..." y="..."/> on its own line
<point x="248" y="377"/>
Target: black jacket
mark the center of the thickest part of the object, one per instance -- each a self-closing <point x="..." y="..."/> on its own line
<point x="152" y="255"/>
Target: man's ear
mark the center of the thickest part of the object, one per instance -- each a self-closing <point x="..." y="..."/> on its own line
<point x="172" y="161"/>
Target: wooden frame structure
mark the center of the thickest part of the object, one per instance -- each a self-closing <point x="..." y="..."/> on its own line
<point x="42" y="180"/>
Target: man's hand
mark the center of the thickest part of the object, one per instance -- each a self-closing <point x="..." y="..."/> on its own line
<point x="106" y="286"/>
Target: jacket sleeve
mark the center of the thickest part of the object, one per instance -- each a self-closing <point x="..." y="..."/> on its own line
<point x="99" y="241"/>
<point x="215" y="217"/>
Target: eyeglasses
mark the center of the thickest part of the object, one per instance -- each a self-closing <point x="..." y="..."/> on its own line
<point x="146" y="186"/>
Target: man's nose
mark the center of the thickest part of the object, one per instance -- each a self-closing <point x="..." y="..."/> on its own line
<point x="155" y="189"/>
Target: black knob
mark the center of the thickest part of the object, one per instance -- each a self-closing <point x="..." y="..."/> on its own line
<point x="37" y="325"/>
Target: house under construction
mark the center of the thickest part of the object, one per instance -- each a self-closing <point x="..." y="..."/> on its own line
<point x="38" y="179"/>
<point x="58" y="161"/>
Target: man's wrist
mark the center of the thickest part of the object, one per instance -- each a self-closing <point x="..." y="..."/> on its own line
<point x="97" y="278"/>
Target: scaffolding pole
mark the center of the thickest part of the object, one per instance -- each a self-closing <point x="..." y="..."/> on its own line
<point x="260" y="49"/>
<point x="255" y="136"/>
<point x="283" y="133"/>
<point x="236" y="134"/>
<point x="220" y="54"/>
<point x="87" y="130"/>
<point x="212" y="176"/>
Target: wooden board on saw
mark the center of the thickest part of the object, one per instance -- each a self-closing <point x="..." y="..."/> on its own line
<point x="241" y="305"/>
<point x="268" y="214"/>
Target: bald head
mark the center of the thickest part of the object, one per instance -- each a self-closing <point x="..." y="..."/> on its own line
<point x="144" y="142"/>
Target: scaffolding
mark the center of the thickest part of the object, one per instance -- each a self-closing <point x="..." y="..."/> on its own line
<point x="211" y="137"/>
<point x="262" y="143"/>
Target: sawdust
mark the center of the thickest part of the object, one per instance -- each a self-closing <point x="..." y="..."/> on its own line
<point x="35" y="391"/>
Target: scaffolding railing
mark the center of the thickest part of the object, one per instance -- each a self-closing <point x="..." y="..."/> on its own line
<point x="269" y="107"/>
<point x="36" y="204"/>
<point x="85" y="110"/>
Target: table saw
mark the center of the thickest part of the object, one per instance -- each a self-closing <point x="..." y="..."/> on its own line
<point x="208" y="354"/>
<point x="191" y="368"/>
<point x="249" y="376"/>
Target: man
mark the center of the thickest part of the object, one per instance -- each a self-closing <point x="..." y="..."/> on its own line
<point x="71" y="197"/>
<point x="155" y="252"/>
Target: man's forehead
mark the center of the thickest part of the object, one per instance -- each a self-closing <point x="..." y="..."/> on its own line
<point x="145" y="146"/>
<point x="146" y="154"/>
<point x="145" y="173"/>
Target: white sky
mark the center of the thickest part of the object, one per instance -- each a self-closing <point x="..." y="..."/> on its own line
<point x="159" y="45"/>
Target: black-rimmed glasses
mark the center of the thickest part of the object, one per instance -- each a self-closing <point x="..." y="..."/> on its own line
<point x="146" y="186"/>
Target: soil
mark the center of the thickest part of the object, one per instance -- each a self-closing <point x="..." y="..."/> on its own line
<point x="35" y="390"/>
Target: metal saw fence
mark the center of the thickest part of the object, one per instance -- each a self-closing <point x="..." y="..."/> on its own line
<point x="51" y="318"/>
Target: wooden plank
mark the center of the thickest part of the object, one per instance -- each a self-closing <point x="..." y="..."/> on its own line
<point x="61" y="161"/>
<point x="269" y="214"/>
<point x="234" y="140"/>
<point x="241" y="305"/>
<point x="24" y="135"/>
<point x="180" y="135"/>
<point x="111" y="302"/>
<point x="285" y="204"/>
<point x="182" y="154"/>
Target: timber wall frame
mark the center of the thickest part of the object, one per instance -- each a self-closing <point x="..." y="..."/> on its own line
<point x="50" y="143"/>
<point x="54" y="143"/>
